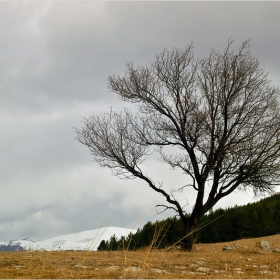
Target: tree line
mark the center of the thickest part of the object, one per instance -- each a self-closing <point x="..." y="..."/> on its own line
<point x="256" y="219"/>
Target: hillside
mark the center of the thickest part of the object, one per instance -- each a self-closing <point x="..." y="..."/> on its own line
<point x="205" y="262"/>
<point x="81" y="241"/>
<point x="253" y="220"/>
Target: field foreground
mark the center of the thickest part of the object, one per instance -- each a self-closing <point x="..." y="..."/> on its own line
<point x="206" y="261"/>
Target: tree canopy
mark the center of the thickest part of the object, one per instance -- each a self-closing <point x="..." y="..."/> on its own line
<point x="216" y="119"/>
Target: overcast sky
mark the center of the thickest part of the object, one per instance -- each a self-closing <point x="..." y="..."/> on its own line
<point x="55" y="60"/>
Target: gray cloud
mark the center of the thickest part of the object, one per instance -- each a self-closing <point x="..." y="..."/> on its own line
<point x="55" y="59"/>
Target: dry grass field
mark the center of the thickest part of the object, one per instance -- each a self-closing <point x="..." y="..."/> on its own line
<point x="205" y="261"/>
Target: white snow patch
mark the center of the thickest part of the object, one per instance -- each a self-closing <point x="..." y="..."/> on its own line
<point x="81" y="241"/>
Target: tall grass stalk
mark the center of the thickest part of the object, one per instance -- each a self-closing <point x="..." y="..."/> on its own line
<point x="192" y="232"/>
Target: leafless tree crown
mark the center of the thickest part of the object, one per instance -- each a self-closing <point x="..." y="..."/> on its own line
<point x="219" y="113"/>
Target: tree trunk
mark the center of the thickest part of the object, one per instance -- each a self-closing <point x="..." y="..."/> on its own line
<point x="188" y="240"/>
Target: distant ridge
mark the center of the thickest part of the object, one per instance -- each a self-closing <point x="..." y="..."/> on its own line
<point x="80" y="241"/>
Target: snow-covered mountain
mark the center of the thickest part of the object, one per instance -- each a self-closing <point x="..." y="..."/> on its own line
<point x="85" y="240"/>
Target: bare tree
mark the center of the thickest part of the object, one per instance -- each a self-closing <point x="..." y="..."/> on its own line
<point x="220" y="115"/>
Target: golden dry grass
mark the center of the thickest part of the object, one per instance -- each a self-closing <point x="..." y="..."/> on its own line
<point x="205" y="261"/>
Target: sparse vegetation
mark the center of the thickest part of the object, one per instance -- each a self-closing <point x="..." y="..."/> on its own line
<point x="205" y="261"/>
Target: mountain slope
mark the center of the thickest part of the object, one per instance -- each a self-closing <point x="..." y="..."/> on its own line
<point x="85" y="240"/>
